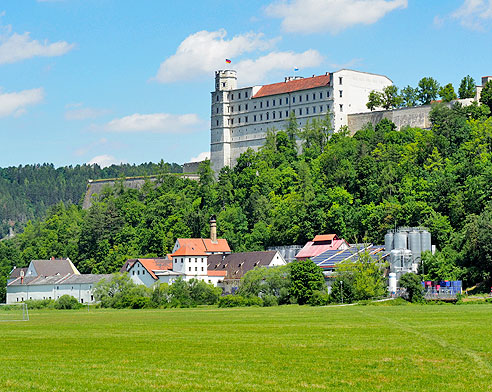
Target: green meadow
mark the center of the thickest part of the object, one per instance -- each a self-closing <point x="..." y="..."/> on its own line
<point x="288" y="348"/>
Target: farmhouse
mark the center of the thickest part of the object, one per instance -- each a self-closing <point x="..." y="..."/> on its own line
<point x="50" y="279"/>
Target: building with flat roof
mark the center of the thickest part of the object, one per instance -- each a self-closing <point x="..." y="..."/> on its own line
<point x="241" y="117"/>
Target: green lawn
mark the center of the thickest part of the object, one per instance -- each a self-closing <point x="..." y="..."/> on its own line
<point x="353" y="348"/>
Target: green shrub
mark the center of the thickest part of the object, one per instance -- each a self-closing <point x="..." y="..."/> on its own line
<point x="270" y="300"/>
<point x="67" y="302"/>
<point x="40" y="303"/>
<point x="253" y="301"/>
<point x="231" y="301"/>
<point x="319" y="298"/>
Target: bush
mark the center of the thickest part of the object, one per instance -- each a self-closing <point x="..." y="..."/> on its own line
<point x="414" y="290"/>
<point x="270" y="300"/>
<point x="231" y="301"/>
<point x="67" y="302"/>
<point x="253" y="301"/>
<point x="319" y="298"/>
<point x="40" y="303"/>
<point x="306" y="278"/>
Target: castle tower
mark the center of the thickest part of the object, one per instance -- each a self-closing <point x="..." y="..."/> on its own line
<point x="220" y="135"/>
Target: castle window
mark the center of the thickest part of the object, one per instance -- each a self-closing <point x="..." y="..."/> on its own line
<point x="202" y="268"/>
<point x="279" y="114"/>
<point x="286" y="113"/>
<point x="307" y="97"/>
<point x="232" y="121"/>
<point x="217" y="122"/>
<point x="341" y="107"/>
<point x="286" y="100"/>
<point x="246" y="107"/>
<point x="273" y="115"/>
<point x="268" y="116"/>
<point x="239" y="120"/>
<point x="328" y="94"/>
<point x="273" y="102"/>
<point x="321" y="109"/>
<point x="254" y="117"/>
<point x="239" y="95"/>
<point x="217" y="110"/>
<point x="268" y="103"/>
<point x="300" y="98"/>
<point x="245" y="94"/>
<point x="239" y="108"/>
<point x="232" y="97"/>
<point x="223" y="84"/>
<point x="314" y="96"/>
<point x="246" y="119"/>
<point x="341" y="93"/>
<point x="300" y="111"/>
<point x="321" y="95"/>
<point x="328" y="107"/>
<point x="307" y="110"/>
<point x="261" y="117"/>
<point x="314" y="109"/>
<point x="340" y="80"/>
<point x="196" y="268"/>
<point x="217" y="98"/>
<point x="280" y="101"/>
<point x="261" y="104"/>
<point x="232" y="109"/>
<point x="189" y="269"/>
<point x="293" y="99"/>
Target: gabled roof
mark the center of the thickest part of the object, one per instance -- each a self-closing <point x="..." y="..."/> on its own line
<point x="60" y="280"/>
<point x="322" y="244"/>
<point x="54" y="267"/>
<point x="293" y="85"/>
<point x="187" y="250"/>
<point x="205" y="244"/>
<point x="151" y="265"/>
<point x="237" y="264"/>
<point x="16" y="272"/>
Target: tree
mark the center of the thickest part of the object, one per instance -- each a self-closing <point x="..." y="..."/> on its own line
<point x="390" y="98"/>
<point x="486" y="94"/>
<point x="409" y="96"/>
<point x="427" y="90"/>
<point x="411" y="282"/>
<point x="306" y="278"/>
<point x="447" y="93"/>
<point x="262" y="282"/>
<point x="374" y="100"/>
<point x="467" y="87"/>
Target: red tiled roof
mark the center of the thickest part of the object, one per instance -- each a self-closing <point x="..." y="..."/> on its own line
<point x="293" y="85"/>
<point x="150" y="265"/>
<point x="205" y="244"/>
<point x="324" y="237"/>
<point x="187" y="250"/>
<point x="216" y="273"/>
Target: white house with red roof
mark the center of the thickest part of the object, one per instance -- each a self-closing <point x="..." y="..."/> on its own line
<point x="320" y="244"/>
<point x="241" y="117"/>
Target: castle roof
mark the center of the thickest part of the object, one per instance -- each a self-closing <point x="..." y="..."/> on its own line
<point x="293" y="85"/>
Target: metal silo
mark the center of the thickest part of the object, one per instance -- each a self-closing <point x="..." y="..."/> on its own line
<point x="400" y="240"/>
<point x="388" y="241"/>
<point x="425" y="241"/>
<point x="400" y="259"/>
<point x="414" y="245"/>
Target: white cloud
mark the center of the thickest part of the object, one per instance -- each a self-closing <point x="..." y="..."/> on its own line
<point x="16" y="47"/>
<point x="105" y="160"/>
<point x="16" y="103"/>
<point x="474" y="13"/>
<point x="256" y="71"/>
<point x="310" y="16"/>
<point x="157" y="122"/>
<point x="84" y="113"/>
<point x="204" y="52"/>
<point x="201" y="157"/>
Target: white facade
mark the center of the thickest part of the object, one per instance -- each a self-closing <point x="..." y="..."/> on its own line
<point x="239" y="120"/>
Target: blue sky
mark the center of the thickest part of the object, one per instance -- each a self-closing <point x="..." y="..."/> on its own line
<point x="112" y="81"/>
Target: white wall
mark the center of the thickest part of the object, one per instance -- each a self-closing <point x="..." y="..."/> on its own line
<point x="140" y="275"/>
<point x="82" y="291"/>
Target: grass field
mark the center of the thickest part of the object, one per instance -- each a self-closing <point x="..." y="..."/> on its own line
<point x="292" y="348"/>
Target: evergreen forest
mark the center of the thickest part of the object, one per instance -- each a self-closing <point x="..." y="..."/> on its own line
<point x="303" y="182"/>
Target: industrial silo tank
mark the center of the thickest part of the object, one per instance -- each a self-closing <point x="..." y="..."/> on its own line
<point x="400" y="240"/>
<point x="425" y="241"/>
<point x="388" y="241"/>
<point x="401" y="258"/>
<point x="414" y="245"/>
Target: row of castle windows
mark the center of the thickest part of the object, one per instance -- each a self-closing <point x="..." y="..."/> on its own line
<point x="301" y="112"/>
<point x="196" y="260"/>
<point x="196" y="269"/>
<point x="280" y="100"/>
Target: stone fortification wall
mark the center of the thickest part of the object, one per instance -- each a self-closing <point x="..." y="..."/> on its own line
<point x="191" y="167"/>
<point x="417" y="116"/>
<point x="96" y="186"/>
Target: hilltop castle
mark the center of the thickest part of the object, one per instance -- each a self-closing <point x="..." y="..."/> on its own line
<point x="241" y="117"/>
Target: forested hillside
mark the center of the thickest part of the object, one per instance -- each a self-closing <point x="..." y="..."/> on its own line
<point x="27" y="192"/>
<point x="357" y="187"/>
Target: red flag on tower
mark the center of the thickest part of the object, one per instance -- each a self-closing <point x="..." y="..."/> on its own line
<point x="228" y="61"/>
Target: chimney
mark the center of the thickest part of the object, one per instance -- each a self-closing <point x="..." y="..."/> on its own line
<point x="213" y="229"/>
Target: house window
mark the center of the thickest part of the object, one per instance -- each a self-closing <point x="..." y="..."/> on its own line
<point x="232" y="97"/>
<point x="92" y="298"/>
<point x="273" y="102"/>
<point x="293" y="99"/>
<point x="133" y="272"/>
<point x="307" y="97"/>
<point x="217" y="122"/>
<point x="223" y="84"/>
<point x="268" y="116"/>
<point x="239" y="97"/>
<point x="81" y="300"/>
<point x="232" y="121"/>
<point x="246" y="119"/>
<point x="254" y="117"/>
<point x="321" y="109"/>
<point x="280" y="101"/>
<point x="261" y="104"/>
<point x="217" y="98"/>
<point x="341" y="107"/>
<point x="300" y="111"/>
<point x="268" y="103"/>
<point x="314" y="96"/>
<point x="273" y="115"/>
<point x="246" y="107"/>
<point x="286" y="113"/>
<point x="181" y="260"/>
<point x="189" y="269"/>
<point x="340" y="80"/>
<point x="232" y="109"/>
<point x="217" y="110"/>
<point x="341" y="93"/>
<point x="279" y="114"/>
<point x="261" y="117"/>
<point x="138" y="273"/>
<point x="321" y="95"/>
<point x="246" y="95"/>
<point x="307" y="110"/>
<point x="328" y="94"/>
<point x="286" y="100"/>
<point x="300" y="98"/>
<point x="202" y="268"/>
<point x="239" y="108"/>
<point x="196" y="268"/>
<point x="314" y="109"/>
<point x="239" y="120"/>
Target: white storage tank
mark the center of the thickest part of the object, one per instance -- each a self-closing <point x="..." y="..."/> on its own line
<point x="401" y="259"/>
<point x="425" y="241"/>
<point x="392" y="282"/>
<point x="414" y="245"/>
<point x="400" y="240"/>
<point x="388" y="241"/>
